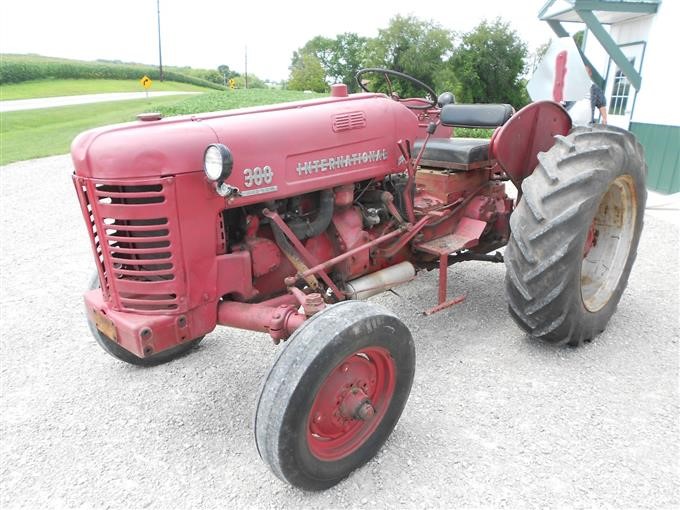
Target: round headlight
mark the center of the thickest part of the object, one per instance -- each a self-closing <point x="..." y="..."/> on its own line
<point x="217" y="162"/>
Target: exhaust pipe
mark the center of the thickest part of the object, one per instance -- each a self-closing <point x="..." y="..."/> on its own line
<point x="380" y="281"/>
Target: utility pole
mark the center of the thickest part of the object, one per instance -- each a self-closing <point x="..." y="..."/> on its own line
<point x="160" y="54"/>
<point x="246" y="66"/>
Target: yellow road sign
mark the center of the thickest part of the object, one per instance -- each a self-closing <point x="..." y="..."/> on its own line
<point x="146" y="82"/>
<point x="232" y="83"/>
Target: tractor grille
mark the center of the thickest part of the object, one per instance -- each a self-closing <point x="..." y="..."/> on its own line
<point x="347" y="121"/>
<point x="136" y="239"/>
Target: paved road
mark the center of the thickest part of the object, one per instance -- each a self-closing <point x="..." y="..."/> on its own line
<point x="494" y="419"/>
<point x="52" y="102"/>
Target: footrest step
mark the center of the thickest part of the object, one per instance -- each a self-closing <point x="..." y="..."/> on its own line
<point x="466" y="235"/>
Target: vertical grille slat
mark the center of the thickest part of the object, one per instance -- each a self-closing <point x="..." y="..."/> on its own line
<point x="86" y="208"/>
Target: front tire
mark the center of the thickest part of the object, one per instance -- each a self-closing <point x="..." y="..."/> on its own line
<point x="575" y="234"/>
<point x="334" y="394"/>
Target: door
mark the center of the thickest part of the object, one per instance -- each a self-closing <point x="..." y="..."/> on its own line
<point x="619" y="92"/>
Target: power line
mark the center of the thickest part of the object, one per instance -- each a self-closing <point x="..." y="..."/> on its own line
<point x="160" y="54"/>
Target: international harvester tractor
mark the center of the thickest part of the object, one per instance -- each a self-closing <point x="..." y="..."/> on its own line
<point x="282" y="219"/>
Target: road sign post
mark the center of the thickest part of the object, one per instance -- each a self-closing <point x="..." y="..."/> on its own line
<point x="146" y="83"/>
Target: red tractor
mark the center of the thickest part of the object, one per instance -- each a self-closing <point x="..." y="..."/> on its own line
<point x="281" y="219"/>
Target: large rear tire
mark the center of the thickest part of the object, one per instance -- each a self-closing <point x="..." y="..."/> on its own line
<point x="575" y="234"/>
<point x="122" y="354"/>
<point x="334" y="394"/>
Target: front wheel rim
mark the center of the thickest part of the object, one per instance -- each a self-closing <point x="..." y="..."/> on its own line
<point x="608" y="243"/>
<point x="350" y="403"/>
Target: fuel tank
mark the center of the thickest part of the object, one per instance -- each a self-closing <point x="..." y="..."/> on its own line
<point x="280" y="150"/>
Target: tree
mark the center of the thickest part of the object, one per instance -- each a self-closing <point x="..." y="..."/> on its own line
<point x="225" y="71"/>
<point x="321" y="47"/>
<point x="538" y="55"/>
<point x="412" y="46"/>
<point x="489" y="64"/>
<point x="578" y="38"/>
<point x="348" y="57"/>
<point x="253" y="82"/>
<point x="306" y="73"/>
<point x="340" y="58"/>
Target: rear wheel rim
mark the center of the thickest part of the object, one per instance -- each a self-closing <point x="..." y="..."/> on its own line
<point x="366" y="378"/>
<point x="608" y="244"/>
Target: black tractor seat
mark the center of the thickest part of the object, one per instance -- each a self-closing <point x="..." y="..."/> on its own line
<point x="463" y="153"/>
<point x="453" y="153"/>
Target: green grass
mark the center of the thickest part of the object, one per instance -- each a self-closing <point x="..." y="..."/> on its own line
<point x="215" y="101"/>
<point x="473" y="132"/>
<point x="53" y="88"/>
<point x="238" y="98"/>
<point x="36" y="133"/>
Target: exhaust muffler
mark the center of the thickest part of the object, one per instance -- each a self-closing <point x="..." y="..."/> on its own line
<point x="380" y="281"/>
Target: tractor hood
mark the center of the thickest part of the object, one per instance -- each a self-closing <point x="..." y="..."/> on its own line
<point x="142" y="149"/>
<point x="293" y="139"/>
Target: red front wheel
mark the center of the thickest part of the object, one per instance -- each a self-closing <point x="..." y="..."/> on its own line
<point x="334" y="394"/>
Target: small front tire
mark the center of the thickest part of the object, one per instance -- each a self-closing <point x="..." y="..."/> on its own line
<point x="334" y="394"/>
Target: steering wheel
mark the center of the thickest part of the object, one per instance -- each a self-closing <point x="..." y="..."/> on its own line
<point x="429" y="103"/>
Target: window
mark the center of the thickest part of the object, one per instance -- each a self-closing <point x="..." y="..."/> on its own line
<point x="620" y="91"/>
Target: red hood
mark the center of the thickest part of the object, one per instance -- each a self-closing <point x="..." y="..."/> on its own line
<point x="257" y="136"/>
<point x="142" y="148"/>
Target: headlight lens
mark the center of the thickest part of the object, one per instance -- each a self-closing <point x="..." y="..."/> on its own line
<point x="217" y="162"/>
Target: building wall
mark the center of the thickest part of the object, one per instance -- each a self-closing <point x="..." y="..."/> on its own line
<point x="596" y="53"/>
<point x="632" y="31"/>
<point x="657" y="101"/>
<point x="662" y="152"/>
<point x="655" y="118"/>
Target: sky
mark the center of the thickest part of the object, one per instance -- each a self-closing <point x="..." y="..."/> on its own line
<point x="205" y="34"/>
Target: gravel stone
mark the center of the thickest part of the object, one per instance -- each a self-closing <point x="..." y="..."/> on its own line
<point x="495" y="419"/>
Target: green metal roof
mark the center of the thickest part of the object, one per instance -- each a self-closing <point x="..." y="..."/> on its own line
<point x="606" y="11"/>
<point x="595" y="13"/>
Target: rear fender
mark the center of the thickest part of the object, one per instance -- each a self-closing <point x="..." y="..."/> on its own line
<point x="531" y="130"/>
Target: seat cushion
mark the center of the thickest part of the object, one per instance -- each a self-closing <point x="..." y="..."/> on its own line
<point x="476" y="115"/>
<point x="458" y="152"/>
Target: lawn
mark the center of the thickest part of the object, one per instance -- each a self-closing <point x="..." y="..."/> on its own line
<point x="239" y="98"/>
<point x="36" y="133"/>
<point x="215" y="101"/>
<point x="53" y="88"/>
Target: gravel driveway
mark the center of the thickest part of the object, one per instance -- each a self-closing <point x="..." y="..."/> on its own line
<point x="494" y="419"/>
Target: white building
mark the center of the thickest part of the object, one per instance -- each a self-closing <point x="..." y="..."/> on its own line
<point x="632" y="46"/>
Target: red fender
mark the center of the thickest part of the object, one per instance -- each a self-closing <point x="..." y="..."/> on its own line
<point x="531" y="130"/>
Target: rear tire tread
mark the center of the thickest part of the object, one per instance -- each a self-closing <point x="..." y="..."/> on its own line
<point x="549" y="227"/>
